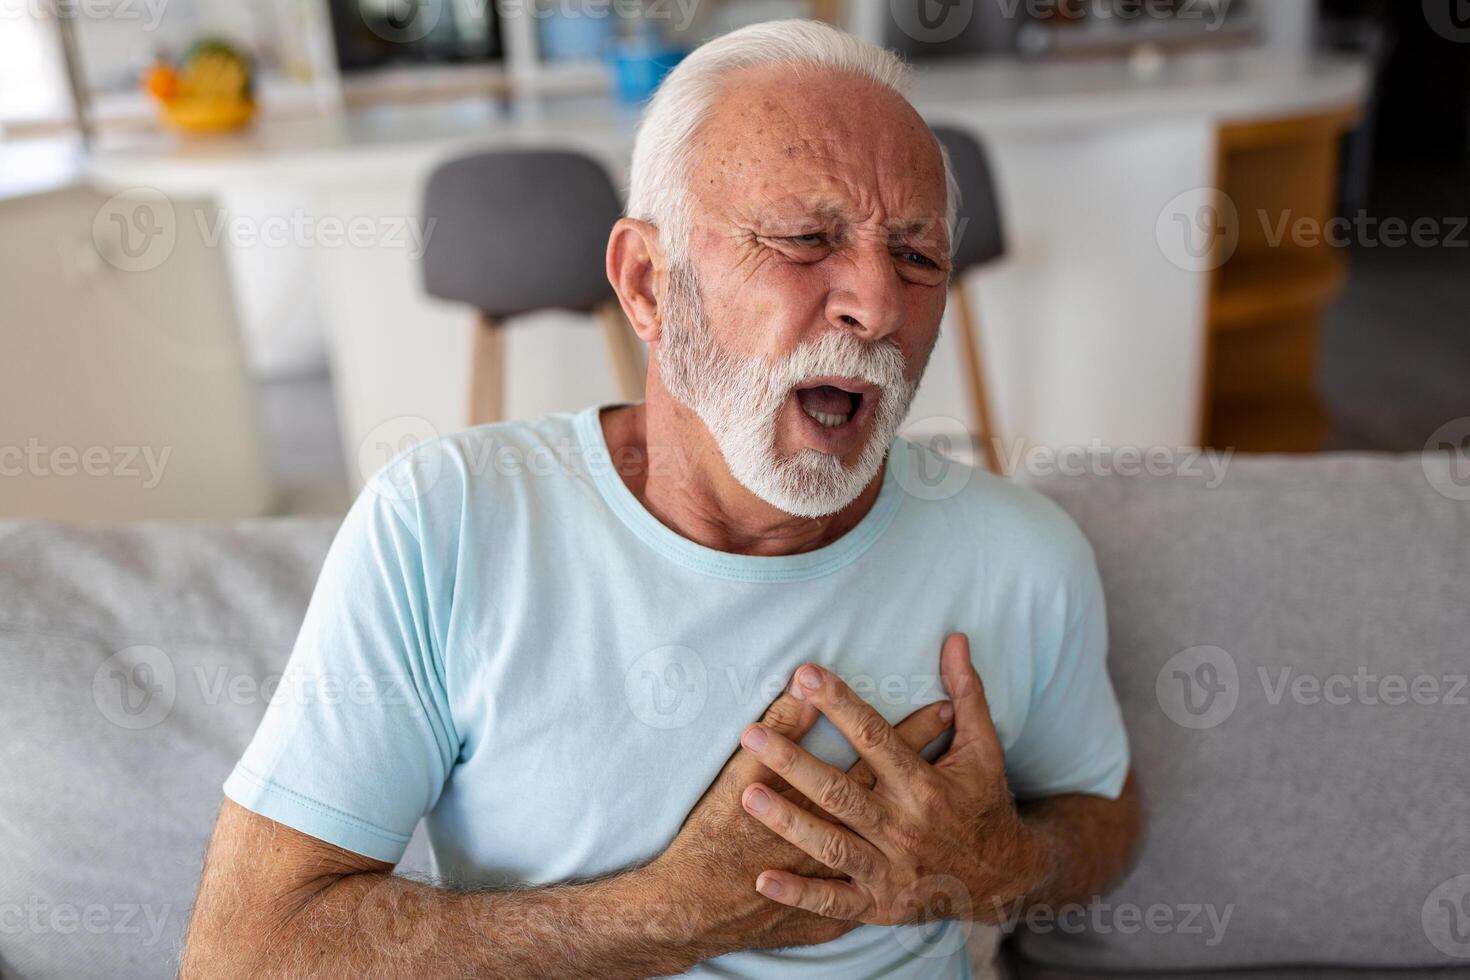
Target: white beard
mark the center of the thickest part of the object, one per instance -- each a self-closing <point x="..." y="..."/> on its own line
<point x="740" y="399"/>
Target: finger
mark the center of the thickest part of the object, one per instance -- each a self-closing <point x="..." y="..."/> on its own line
<point x="975" y="738"/>
<point x="917" y="730"/>
<point x="822" y="784"/>
<point x="868" y="732"/>
<point x="790" y="716"/>
<point x="787" y="716"/>
<point x="823" y="841"/>
<point x="827" y="897"/>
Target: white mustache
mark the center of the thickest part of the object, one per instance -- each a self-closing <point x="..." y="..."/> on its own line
<point x="841" y="355"/>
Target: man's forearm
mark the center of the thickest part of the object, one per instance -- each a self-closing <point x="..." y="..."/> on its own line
<point x="1081" y="845"/>
<point x="373" y="924"/>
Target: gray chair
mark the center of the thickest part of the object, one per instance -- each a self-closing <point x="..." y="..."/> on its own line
<point x="979" y="239"/>
<point x="516" y="231"/>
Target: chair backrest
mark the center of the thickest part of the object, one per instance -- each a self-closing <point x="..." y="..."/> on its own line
<point x="514" y="231"/>
<point x="980" y="233"/>
<point x="124" y="389"/>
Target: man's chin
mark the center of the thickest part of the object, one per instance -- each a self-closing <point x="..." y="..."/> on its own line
<point x="809" y="485"/>
<point x="779" y="458"/>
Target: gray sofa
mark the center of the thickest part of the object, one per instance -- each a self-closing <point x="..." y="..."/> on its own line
<point x="1289" y="648"/>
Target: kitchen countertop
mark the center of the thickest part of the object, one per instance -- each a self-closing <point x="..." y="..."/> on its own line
<point x="1060" y="96"/>
<point x="996" y="95"/>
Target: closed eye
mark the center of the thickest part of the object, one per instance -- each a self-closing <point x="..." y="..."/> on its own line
<point x="918" y="259"/>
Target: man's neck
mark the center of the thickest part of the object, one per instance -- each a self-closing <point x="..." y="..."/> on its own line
<point x="670" y="462"/>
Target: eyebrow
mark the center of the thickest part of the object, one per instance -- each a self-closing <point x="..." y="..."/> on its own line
<point x="830" y="213"/>
<point x="825" y="212"/>
<point x="929" y="234"/>
<point x="915" y="226"/>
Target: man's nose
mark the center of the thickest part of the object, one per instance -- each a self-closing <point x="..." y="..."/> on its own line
<point x="867" y="295"/>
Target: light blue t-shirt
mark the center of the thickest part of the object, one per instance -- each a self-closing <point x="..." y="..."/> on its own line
<point x="505" y="643"/>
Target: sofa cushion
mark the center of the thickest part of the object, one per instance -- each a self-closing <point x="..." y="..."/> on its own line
<point x="1320" y="796"/>
<point x="138" y="662"/>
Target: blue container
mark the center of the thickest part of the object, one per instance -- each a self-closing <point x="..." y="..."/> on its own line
<point x="638" y="65"/>
<point x="575" y="36"/>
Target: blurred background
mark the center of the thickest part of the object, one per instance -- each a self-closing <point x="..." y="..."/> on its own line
<point x="1238" y="225"/>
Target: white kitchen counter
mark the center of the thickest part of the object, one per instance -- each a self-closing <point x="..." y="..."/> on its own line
<point x="1091" y="332"/>
<point x="1221" y="87"/>
<point x="999" y="94"/>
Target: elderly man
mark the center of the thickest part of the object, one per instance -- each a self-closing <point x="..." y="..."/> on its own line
<point x="558" y="641"/>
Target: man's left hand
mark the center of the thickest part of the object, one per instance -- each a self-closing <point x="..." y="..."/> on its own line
<point x="927" y="841"/>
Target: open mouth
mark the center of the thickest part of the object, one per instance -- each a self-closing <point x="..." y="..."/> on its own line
<point x="835" y="404"/>
<point x="832" y="407"/>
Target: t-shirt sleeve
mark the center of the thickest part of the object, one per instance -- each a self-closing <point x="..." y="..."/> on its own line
<point x="1073" y="740"/>
<point x="357" y="740"/>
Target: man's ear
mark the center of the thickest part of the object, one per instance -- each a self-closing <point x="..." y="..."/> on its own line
<point x="638" y="273"/>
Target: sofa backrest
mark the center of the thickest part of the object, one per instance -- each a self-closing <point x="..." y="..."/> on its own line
<point x="1291" y="650"/>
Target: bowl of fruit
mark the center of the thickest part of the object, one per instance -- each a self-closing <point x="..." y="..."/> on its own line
<point x="210" y="89"/>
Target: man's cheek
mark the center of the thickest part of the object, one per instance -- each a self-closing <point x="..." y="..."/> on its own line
<point x="917" y="349"/>
<point x="769" y="323"/>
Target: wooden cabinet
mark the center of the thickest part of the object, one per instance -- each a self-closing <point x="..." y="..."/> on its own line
<point x="1267" y="298"/>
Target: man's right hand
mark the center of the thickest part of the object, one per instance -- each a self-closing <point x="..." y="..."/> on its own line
<point x="710" y="868"/>
<point x="277" y="902"/>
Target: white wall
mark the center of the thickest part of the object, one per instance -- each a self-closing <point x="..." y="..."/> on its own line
<point x="1289" y="25"/>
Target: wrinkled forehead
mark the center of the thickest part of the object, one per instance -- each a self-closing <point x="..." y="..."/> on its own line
<point x="784" y="144"/>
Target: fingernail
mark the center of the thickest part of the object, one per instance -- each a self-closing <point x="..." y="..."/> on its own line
<point x="757" y="800"/>
<point x="946" y="712"/>
<point x="768" y="886"/>
<point x="755" y="738"/>
<point x="810" y="677"/>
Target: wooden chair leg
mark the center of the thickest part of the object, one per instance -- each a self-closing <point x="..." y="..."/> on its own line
<point x="624" y="349"/>
<point x="974" y="372"/>
<point x="830" y="11"/>
<point x="487" y="372"/>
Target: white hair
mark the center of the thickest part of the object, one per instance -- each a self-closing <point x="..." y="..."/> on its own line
<point x="663" y="154"/>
